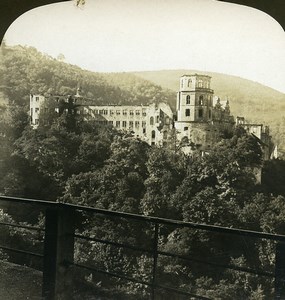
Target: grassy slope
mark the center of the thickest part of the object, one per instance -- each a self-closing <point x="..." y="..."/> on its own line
<point x="19" y="282"/>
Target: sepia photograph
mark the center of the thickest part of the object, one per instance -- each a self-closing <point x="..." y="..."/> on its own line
<point x="142" y="150"/>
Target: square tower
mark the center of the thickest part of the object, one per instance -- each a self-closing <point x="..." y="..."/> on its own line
<point x="194" y="99"/>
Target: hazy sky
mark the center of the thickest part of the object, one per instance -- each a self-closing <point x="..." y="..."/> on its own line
<point x="130" y="35"/>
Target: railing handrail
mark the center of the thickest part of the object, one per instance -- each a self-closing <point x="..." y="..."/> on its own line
<point x="177" y="223"/>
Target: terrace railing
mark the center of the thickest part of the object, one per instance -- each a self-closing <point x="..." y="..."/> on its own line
<point x="60" y="235"/>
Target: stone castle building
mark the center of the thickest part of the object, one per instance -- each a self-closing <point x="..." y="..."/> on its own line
<point x="261" y="133"/>
<point x="201" y="119"/>
<point x="151" y="123"/>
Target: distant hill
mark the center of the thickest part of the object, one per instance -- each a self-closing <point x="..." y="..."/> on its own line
<point x="24" y="70"/>
<point x="256" y="102"/>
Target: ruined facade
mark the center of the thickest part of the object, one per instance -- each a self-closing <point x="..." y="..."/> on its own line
<point x="151" y="123"/>
<point x="261" y="133"/>
<point x="200" y="121"/>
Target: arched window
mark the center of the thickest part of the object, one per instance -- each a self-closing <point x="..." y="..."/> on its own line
<point x="165" y="134"/>
<point x="189" y="82"/>
<point x="157" y="119"/>
<point x="187" y="99"/>
<point x="201" y="100"/>
<point x="153" y="134"/>
<point x="151" y="121"/>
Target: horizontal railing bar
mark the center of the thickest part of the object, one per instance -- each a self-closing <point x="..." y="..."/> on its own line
<point x="112" y="274"/>
<point x="212" y="228"/>
<point x="139" y="281"/>
<point x="22" y="226"/>
<point x="21" y="251"/>
<point x="232" y="267"/>
<point x="112" y="243"/>
<point x="29" y="201"/>
<point x="177" y="291"/>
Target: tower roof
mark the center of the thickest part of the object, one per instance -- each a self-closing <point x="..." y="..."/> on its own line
<point x="196" y="75"/>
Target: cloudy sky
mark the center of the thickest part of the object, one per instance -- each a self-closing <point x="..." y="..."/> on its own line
<point x="138" y="35"/>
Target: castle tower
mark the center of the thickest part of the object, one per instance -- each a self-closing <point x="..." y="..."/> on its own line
<point x="194" y="111"/>
<point x="194" y="99"/>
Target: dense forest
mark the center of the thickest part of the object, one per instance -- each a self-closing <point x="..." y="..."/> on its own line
<point x="73" y="161"/>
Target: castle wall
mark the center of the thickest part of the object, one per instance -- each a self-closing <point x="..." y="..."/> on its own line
<point x="35" y="104"/>
<point x="201" y="118"/>
<point x="150" y="123"/>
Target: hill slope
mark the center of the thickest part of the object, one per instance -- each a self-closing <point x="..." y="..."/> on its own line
<point x="24" y="70"/>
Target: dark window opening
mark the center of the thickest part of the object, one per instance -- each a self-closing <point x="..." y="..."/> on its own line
<point x="188" y="99"/>
<point x="200" y="113"/>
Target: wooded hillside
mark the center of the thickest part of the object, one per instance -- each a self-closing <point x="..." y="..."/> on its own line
<point x="24" y="70"/>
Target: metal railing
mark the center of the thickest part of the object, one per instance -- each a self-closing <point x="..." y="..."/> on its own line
<point x="61" y="237"/>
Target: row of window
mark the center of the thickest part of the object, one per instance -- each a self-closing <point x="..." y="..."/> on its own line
<point x="200" y="113"/>
<point x="126" y="124"/>
<point x="117" y="112"/>
<point x="123" y="125"/>
<point x="200" y="84"/>
<point x="152" y="120"/>
<point x="202" y="100"/>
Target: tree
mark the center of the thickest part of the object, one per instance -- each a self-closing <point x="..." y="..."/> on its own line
<point x="209" y="207"/>
<point x="60" y="57"/>
<point x="116" y="185"/>
<point x="166" y="170"/>
<point x="273" y="174"/>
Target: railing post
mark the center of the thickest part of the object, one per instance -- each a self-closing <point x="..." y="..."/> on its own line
<point x="280" y="271"/>
<point x="155" y="255"/>
<point x="58" y="253"/>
